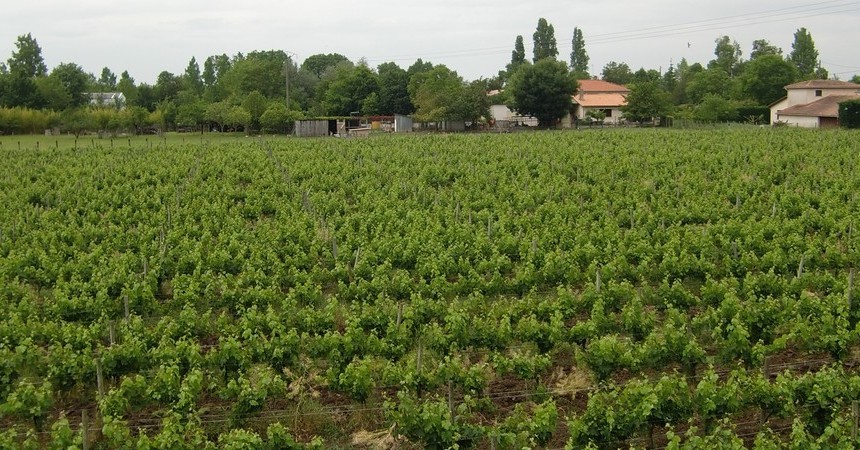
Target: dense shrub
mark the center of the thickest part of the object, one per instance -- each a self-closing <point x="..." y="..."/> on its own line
<point x="849" y="114"/>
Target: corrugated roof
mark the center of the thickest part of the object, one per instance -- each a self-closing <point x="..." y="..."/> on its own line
<point x="600" y="86"/>
<point x="826" y="107"/>
<point x="823" y="84"/>
<point x="600" y="100"/>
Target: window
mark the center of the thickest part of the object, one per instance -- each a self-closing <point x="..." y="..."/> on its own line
<point x="607" y="112"/>
<point x="818" y="92"/>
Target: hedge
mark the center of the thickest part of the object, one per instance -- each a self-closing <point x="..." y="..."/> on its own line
<point x="849" y="113"/>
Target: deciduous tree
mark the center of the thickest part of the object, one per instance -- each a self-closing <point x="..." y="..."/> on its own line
<point x="714" y="108"/>
<point x="320" y="63"/>
<point x="435" y="94"/>
<point x="393" y="89"/>
<point x="728" y="53"/>
<point x="127" y="87"/>
<point x="75" y="81"/>
<point x="647" y="101"/>
<point x="54" y="94"/>
<point x="107" y="80"/>
<point x="256" y="105"/>
<point x="714" y="80"/>
<point x="543" y="90"/>
<point x="192" y="79"/>
<point x="761" y="47"/>
<point x="348" y="90"/>
<point x="618" y="73"/>
<point x="27" y="59"/>
<point x="765" y="77"/>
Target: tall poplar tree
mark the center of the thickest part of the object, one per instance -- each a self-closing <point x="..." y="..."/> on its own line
<point x="544" y="40"/>
<point x="803" y="54"/>
<point x="578" y="56"/>
<point x="518" y="55"/>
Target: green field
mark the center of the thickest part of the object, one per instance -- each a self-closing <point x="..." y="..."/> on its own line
<point x="605" y="288"/>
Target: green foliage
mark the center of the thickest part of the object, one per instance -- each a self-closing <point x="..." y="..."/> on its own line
<point x="543" y="90"/>
<point x="545" y="45"/>
<point x="430" y="421"/>
<point x="29" y="401"/>
<point x="276" y="118"/>
<point x="25" y="121"/>
<point x="607" y="355"/>
<point x="761" y="47"/>
<point x="714" y="108"/>
<point x="756" y="115"/>
<point x="518" y="58"/>
<point x="320" y="63"/>
<point x="441" y="94"/>
<point x="804" y="55"/>
<point x="76" y="121"/>
<point x="348" y="90"/>
<point x="849" y="114"/>
<point x="728" y="54"/>
<point x="528" y="426"/>
<point x="256" y="105"/>
<point x="765" y="77"/>
<point x="578" y="55"/>
<point x="713" y="81"/>
<point x="646" y="102"/>
<point x="62" y="435"/>
<point x="261" y="71"/>
<point x="239" y="439"/>
<point x="618" y="73"/>
<point x="27" y="58"/>
<point x="301" y="282"/>
<point x="393" y="90"/>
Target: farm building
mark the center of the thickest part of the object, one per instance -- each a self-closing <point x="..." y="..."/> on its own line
<point x="352" y="126"/>
<point x="504" y="117"/>
<point x="813" y="103"/>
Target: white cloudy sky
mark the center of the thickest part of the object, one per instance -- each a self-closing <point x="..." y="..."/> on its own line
<point x="474" y="37"/>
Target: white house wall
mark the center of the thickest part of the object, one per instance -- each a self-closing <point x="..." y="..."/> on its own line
<point x="778" y="106"/>
<point x="800" y="121"/>
<point x="616" y="117"/>
<point x="501" y="112"/>
<point x="804" y="96"/>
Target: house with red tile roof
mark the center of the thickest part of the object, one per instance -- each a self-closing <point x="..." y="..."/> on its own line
<point x="813" y="103"/>
<point x="599" y="95"/>
<point x="590" y="95"/>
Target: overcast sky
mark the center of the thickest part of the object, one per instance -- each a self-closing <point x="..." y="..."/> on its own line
<point x="475" y="38"/>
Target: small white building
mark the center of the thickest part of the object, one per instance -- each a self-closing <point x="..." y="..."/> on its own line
<point x="813" y="103"/>
<point x="503" y="116"/>
<point x="107" y="99"/>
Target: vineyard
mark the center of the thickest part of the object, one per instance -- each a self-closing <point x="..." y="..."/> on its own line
<point x="598" y="289"/>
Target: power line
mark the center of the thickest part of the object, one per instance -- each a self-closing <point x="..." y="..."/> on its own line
<point x="734" y="21"/>
<point x="717" y="27"/>
<point x="727" y="19"/>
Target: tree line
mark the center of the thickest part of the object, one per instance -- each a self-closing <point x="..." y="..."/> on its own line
<point x="264" y="91"/>
<point x="245" y="92"/>
<point x="727" y="88"/>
